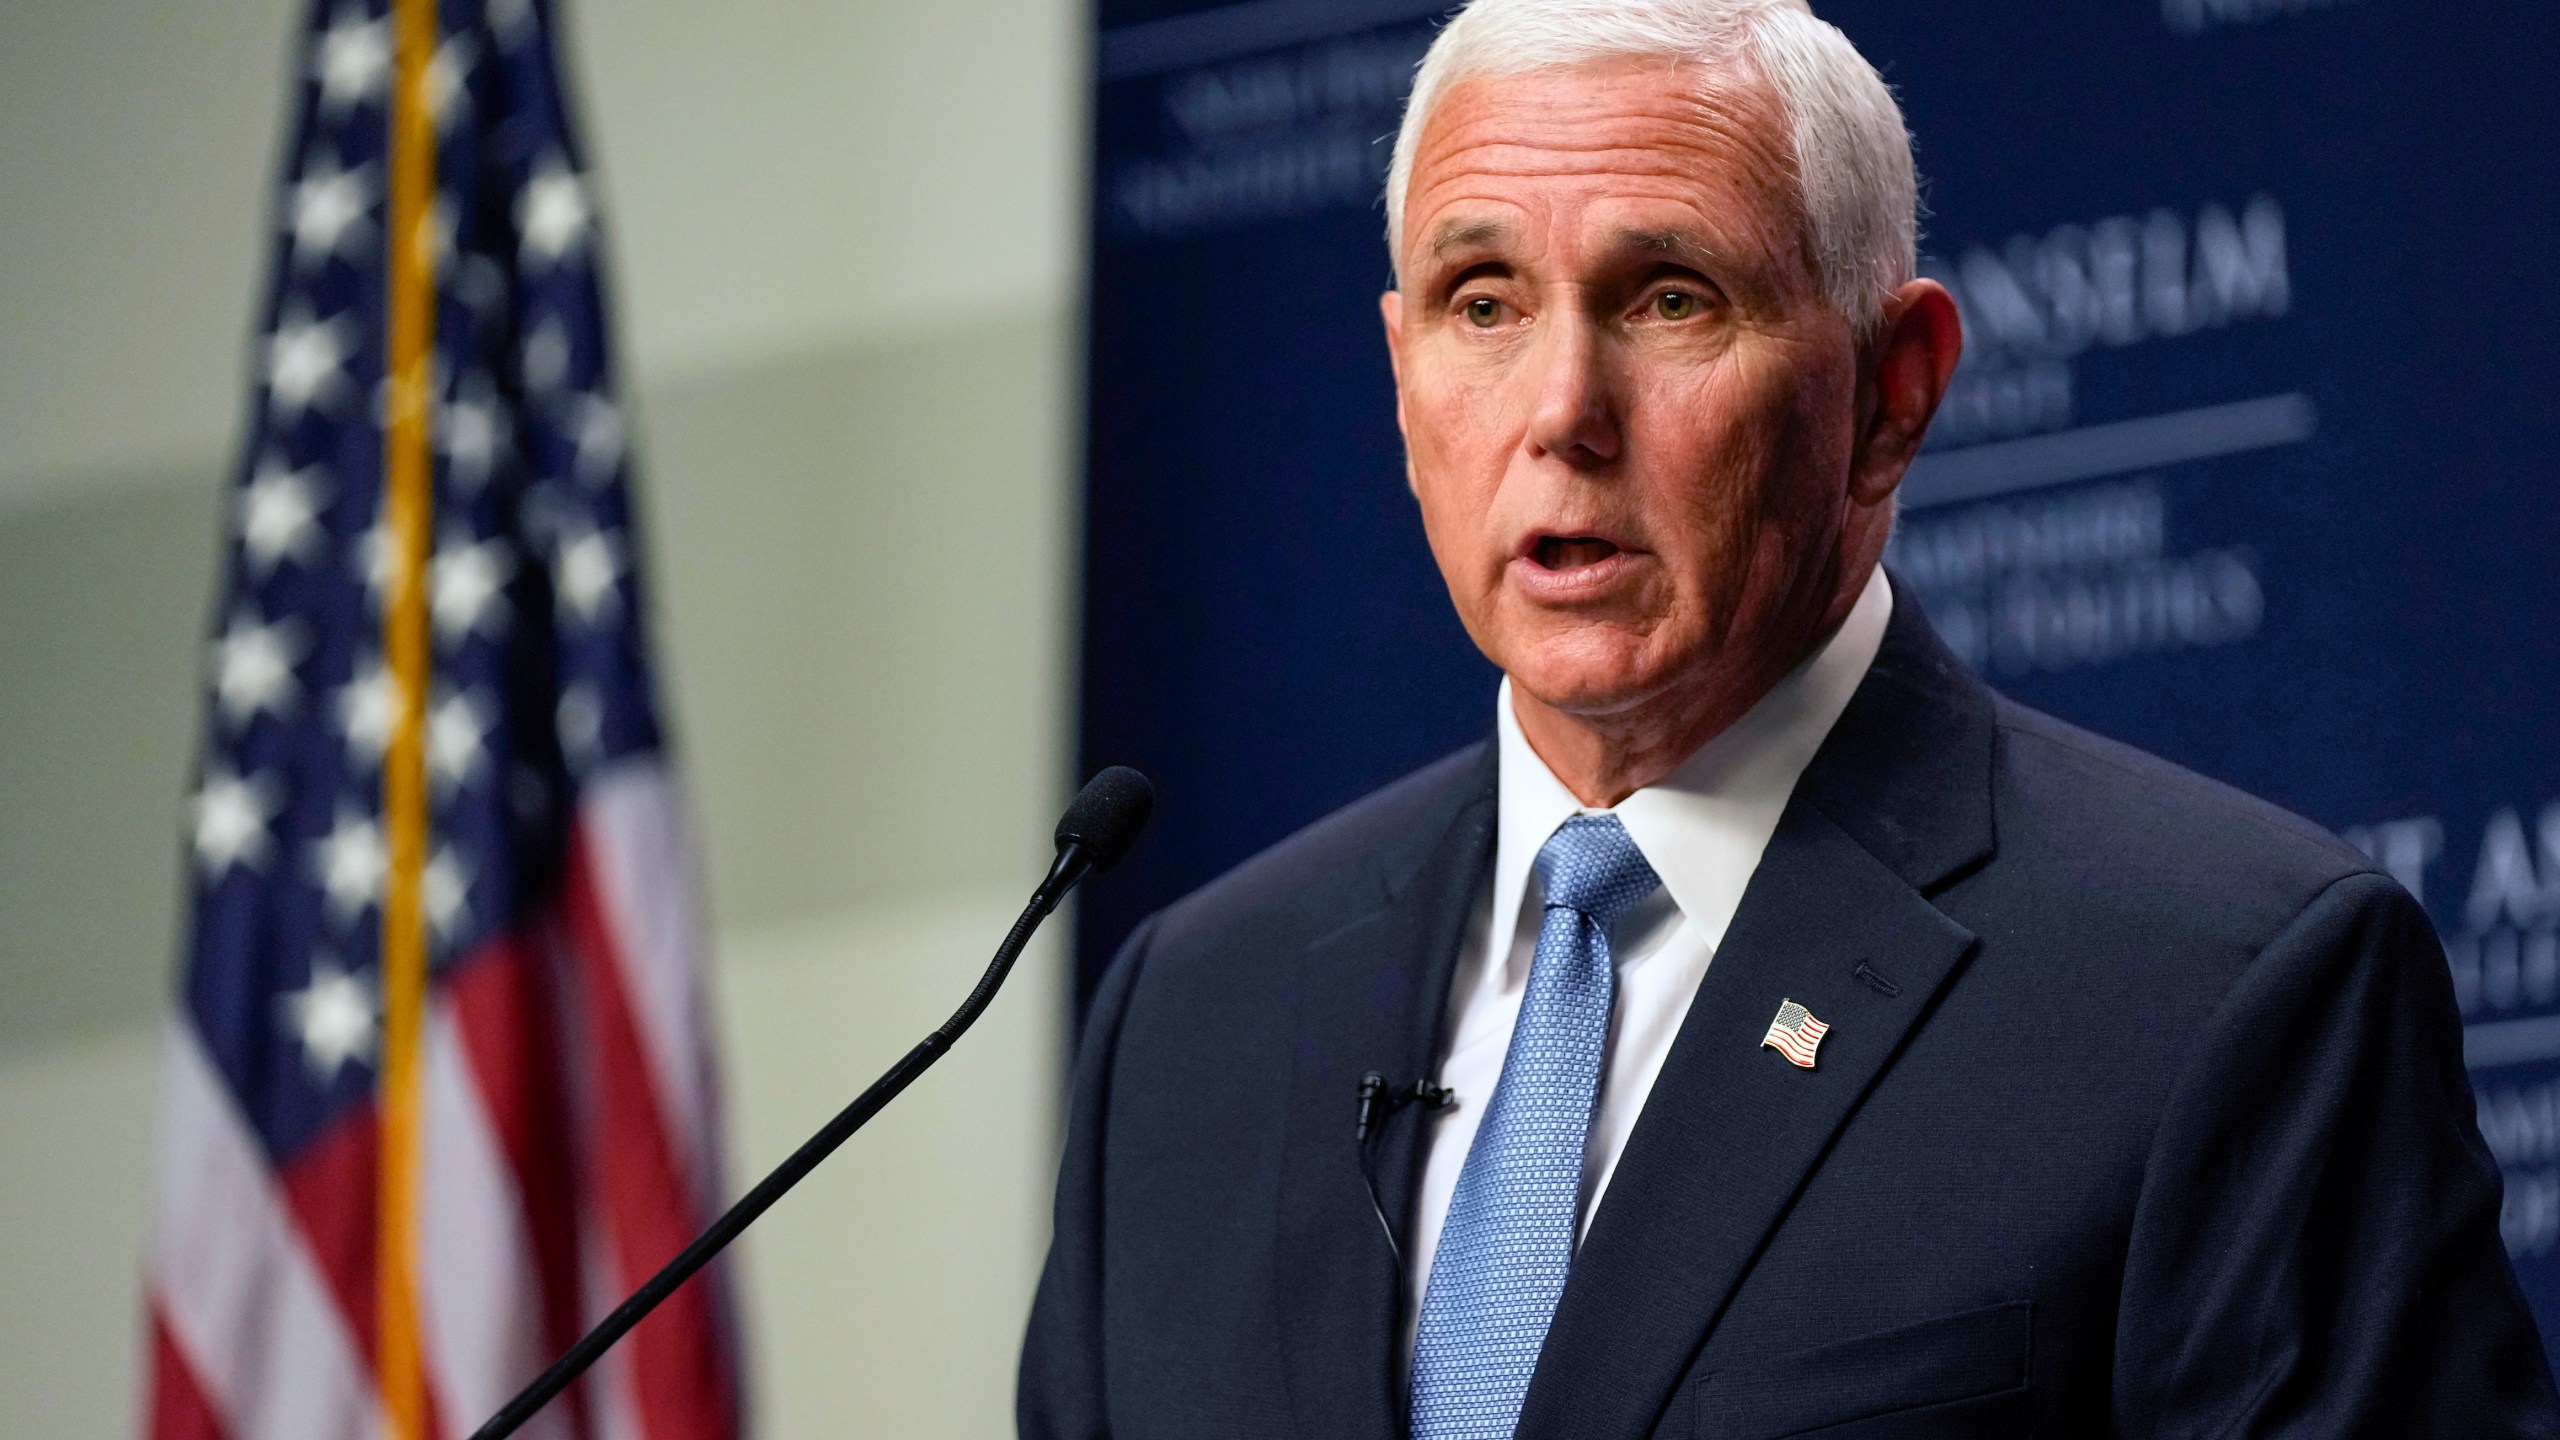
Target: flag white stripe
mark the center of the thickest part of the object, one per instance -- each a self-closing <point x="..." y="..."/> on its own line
<point x="612" y="1389"/>
<point x="644" y="877"/>
<point x="237" y="1284"/>
<point x="480" y="1296"/>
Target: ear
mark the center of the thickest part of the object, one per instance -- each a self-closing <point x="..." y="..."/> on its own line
<point x="1391" y="312"/>
<point x="1909" y="366"/>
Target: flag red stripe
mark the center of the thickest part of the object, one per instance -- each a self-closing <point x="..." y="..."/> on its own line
<point x="179" y="1409"/>
<point x="676" y="1355"/>
<point x="1796" y="1044"/>
<point x="329" y="1190"/>
<point x="507" y="1014"/>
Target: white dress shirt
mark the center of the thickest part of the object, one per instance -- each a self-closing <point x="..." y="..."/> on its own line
<point x="1702" y="828"/>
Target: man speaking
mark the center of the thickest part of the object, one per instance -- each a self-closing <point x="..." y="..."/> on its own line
<point x="1768" y="1031"/>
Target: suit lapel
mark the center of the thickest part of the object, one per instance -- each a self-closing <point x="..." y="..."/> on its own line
<point x="1732" y="1130"/>
<point x="1896" y="802"/>
<point x="1370" y="997"/>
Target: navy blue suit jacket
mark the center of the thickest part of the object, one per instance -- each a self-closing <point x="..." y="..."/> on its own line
<point x="2142" y="1113"/>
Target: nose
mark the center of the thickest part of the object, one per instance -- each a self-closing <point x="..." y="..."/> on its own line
<point x="1575" y="417"/>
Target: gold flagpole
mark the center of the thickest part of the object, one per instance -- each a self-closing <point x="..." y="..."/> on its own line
<point x="408" y="501"/>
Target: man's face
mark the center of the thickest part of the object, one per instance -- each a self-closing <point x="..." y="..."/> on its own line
<point x="1629" y="416"/>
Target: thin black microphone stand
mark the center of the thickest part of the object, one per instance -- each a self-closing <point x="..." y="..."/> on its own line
<point x="1073" y="861"/>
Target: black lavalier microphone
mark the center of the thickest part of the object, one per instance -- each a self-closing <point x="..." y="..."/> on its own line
<point x="1378" y="1102"/>
<point x="1100" y="825"/>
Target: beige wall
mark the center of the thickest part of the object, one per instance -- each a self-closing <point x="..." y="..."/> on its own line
<point x="844" y="243"/>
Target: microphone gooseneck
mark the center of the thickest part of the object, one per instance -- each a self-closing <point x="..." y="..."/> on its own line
<point x="1100" y="825"/>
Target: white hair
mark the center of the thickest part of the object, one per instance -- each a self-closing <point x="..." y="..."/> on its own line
<point x="1855" y="191"/>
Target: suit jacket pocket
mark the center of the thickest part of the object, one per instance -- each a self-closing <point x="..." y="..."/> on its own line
<point x="1936" y="1363"/>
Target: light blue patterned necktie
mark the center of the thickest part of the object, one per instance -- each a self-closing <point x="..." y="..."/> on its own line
<point x="1509" y="1237"/>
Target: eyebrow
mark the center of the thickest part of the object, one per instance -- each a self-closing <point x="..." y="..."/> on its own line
<point x="1673" y="244"/>
<point x="1468" y="234"/>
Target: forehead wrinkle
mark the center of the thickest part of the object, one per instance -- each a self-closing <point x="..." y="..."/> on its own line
<point x="1676" y="164"/>
<point x="1719" y="110"/>
<point x="1671" y="149"/>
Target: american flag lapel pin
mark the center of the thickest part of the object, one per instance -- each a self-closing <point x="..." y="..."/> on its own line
<point x="1795" y="1033"/>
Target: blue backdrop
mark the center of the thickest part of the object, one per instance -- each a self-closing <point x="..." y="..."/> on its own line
<point x="2251" y="462"/>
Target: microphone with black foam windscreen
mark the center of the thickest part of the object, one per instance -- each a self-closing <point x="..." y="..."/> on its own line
<point x="1100" y="825"/>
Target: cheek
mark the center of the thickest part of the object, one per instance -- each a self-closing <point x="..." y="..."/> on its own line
<point x="1810" y="479"/>
<point x="1746" y="448"/>
<point x="1454" y="407"/>
<point x="1459" y="446"/>
<point x="1703" y="449"/>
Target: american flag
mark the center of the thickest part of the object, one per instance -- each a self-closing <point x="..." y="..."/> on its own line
<point x="438" y="1090"/>
<point x="1795" y="1033"/>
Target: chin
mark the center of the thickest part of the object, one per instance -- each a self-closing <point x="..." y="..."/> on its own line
<point x="1581" y="673"/>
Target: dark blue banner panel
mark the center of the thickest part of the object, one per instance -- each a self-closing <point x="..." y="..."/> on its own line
<point x="2253" y="461"/>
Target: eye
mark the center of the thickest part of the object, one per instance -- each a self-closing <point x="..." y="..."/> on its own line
<point x="1483" y="312"/>
<point x="1675" y="304"/>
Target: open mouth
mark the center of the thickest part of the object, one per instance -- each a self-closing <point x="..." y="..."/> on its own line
<point x="1570" y="552"/>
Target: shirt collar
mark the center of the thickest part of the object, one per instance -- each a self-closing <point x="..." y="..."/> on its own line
<point x="1702" y="827"/>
